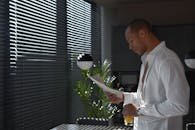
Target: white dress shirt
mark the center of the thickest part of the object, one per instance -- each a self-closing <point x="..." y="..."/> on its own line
<point x="164" y="98"/>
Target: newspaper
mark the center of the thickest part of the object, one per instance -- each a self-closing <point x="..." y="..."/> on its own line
<point x="97" y="80"/>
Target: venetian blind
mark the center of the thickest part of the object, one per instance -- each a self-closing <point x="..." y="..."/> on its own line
<point x="78" y="28"/>
<point x="36" y="93"/>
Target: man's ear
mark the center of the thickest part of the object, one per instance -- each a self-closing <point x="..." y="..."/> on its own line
<point x="142" y="33"/>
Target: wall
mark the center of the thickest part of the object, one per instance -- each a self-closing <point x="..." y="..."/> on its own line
<point x="108" y="19"/>
<point x="179" y="38"/>
<point x="122" y="58"/>
<point x="172" y="12"/>
<point x="159" y="13"/>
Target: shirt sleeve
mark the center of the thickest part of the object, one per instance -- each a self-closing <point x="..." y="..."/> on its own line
<point x="130" y="98"/>
<point x="171" y="74"/>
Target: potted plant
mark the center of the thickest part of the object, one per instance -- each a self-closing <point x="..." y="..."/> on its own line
<point x="96" y="104"/>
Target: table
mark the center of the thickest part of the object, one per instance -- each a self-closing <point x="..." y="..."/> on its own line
<point x="89" y="127"/>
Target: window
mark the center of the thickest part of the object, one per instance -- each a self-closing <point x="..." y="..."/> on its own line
<point x="32" y="31"/>
<point x="36" y="93"/>
<point x="83" y="36"/>
<point x="34" y="79"/>
<point x="79" y="28"/>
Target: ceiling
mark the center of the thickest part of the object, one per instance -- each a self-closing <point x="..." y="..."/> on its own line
<point x="117" y="3"/>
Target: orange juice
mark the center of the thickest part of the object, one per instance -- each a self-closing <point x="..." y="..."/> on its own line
<point x="128" y="120"/>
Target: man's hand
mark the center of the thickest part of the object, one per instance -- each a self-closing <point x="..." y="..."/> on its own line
<point x="130" y="109"/>
<point x="113" y="98"/>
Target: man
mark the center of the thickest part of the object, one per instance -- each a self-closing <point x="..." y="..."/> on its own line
<point x="162" y="97"/>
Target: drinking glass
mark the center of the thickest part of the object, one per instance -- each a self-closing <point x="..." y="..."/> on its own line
<point x="128" y="120"/>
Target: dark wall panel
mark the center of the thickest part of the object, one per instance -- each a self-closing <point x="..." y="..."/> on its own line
<point x="3" y="38"/>
<point x="122" y="58"/>
<point x="180" y="38"/>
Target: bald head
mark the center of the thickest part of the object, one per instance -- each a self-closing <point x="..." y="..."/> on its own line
<point x="140" y="37"/>
<point x="139" y="24"/>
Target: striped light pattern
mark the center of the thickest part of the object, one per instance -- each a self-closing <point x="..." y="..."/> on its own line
<point x="78" y="28"/>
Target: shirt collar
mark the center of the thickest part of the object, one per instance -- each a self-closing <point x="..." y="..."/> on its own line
<point x="151" y="54"/>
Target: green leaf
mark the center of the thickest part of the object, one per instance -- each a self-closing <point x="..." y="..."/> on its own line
<point x="94" y="100"/>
